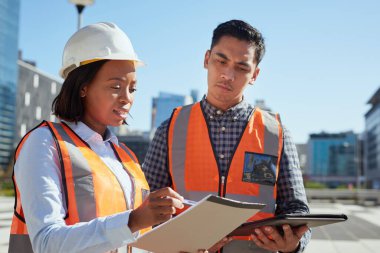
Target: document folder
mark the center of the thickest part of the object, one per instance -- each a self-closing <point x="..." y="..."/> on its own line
<point x="294" y="220"/>
<point x="199" y="227"/>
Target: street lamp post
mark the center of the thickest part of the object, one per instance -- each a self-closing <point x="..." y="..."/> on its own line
<point x="81" y="4"/>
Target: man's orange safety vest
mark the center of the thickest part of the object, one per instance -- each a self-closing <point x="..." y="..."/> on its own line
<point x="253" y="170"/>
<point x="101" y="196"/>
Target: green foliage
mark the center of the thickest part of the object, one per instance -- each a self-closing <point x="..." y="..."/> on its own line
<point x="6" y="188"/>
<point x="315" y="185"/>
<point x="7" y="192"/>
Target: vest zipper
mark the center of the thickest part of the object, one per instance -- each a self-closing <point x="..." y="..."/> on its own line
<point x="222" y="193"/>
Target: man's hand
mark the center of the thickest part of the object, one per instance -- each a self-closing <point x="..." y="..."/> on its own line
<point x="158" y="207"/>
<point x="216" y="246"/>
<point x="269" y="238"/>
<point x="219" y="244"/>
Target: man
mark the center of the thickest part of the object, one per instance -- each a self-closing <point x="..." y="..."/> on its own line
<point x="222" y="145"/>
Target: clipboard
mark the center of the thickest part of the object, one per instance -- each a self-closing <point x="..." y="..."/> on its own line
<point x="294" y="220"/>
<point x="199" y="227"/>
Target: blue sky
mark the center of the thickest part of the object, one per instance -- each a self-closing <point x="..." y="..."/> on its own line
<point x="321" y="67"/>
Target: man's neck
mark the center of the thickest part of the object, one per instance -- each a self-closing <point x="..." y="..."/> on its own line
<point x="222" y="106"/>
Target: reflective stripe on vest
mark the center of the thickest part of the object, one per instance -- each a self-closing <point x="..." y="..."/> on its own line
<point x="193" y="165"/>
<point x="91" y="189"/>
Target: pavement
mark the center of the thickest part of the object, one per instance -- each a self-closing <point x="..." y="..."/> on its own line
<point x="6" y="212"/>
<point x="359" y="234"/>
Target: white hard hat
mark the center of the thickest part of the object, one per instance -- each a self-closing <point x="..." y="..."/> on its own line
<point x="98" y="41"/>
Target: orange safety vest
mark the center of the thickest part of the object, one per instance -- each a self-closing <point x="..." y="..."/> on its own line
<point x="91" y="190"/>
<point x="193" y="164"/>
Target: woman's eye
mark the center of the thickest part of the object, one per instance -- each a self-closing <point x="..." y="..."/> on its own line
<point x="115" y="87"/>
<point x="132" y="90"/>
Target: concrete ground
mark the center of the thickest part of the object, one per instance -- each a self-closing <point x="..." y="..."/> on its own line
<point x="360" y="234"/>
<point x="6" y="212"/>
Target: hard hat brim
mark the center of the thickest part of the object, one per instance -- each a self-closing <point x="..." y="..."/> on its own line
<point x="64" y="72"/>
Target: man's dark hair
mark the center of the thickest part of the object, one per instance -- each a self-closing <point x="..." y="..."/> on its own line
<point x="242" y="31"/>
<point x="68" y="105"/>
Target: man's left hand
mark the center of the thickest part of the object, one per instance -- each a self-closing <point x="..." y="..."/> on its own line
<point x="269" y="238"/>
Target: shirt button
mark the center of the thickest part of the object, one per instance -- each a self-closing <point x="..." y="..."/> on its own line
<point x="218" y="112"/>
<point x="221" y="156"/>
<point x="211" y="117"/>
<point x="223" y="129"/>
<point x="235" y="118"/>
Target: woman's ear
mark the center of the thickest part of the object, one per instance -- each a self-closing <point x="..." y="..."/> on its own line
<point x="83" y="91"/>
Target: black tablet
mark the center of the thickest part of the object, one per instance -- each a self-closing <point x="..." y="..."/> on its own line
<point x="294" y="220"/>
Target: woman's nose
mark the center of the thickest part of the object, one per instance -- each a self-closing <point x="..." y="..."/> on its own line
<point x="125" y="96"/>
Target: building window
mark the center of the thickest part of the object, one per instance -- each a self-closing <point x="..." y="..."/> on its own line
<point x="22" y="130"/>
<point x="27" y="98"/>
<point x="38" y="112"/>
<point x="36" y="79"/>
<point x="53" y="88"/>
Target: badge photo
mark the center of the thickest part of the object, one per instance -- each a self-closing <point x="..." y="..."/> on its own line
<point x="259" y="168"/>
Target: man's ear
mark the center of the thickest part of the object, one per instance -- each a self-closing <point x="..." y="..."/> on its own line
<point x="207" y="58"/>
<point x="254" y="76"/>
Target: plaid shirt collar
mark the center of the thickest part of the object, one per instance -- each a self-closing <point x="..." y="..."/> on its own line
<point x="236" y="112"/>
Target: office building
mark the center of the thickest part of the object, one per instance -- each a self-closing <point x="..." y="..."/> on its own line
<point x="163" y="105"/>
<point x="372" y="142"/>
<point x="194" y="95"/>
<point x="260" y="103"/>
<point x="9" y="27"/>
<point x="35" y="94"/>
<point x="333" y="158"/>
<point x="138" y="142"/>
<point x="302" y="157"/>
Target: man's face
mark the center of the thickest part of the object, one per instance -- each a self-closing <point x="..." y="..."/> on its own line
<point x="231" y="66"/>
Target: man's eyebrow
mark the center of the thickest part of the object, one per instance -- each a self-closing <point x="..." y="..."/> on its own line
<point x="242" y="63"/>
<point x="222" y="55"/>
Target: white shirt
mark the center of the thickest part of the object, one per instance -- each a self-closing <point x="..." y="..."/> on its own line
<point x="38" y="178"/>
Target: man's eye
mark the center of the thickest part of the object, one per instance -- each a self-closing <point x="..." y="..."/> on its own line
<point x="243" y="69"/>
<point x="221" y="61"/>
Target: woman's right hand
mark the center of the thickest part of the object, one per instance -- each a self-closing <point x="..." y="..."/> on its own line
<point x="158" y="207"/>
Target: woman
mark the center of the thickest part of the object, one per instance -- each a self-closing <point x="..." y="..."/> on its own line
<point x="78" y="189"/>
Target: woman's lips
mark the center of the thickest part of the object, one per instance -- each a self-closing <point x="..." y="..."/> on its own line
<point x="121" y="113"/>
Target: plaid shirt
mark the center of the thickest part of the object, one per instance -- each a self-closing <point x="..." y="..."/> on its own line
<point x="225" y="130"/>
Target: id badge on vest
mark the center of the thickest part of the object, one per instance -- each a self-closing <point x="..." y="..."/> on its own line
<point x="259" y="168"/>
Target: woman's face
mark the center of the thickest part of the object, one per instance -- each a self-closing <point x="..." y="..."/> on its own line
<point x="109" y="96"/>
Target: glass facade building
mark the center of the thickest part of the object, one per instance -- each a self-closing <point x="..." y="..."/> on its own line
<point x="372" y="142"/>
<point x="9" y="27"/>
<point x="333" y="158"/>
<point x="164" y="104"/>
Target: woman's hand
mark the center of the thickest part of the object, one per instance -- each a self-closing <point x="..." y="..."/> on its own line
<point x="158" y="207"/>
<point x="269" y="238"/>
